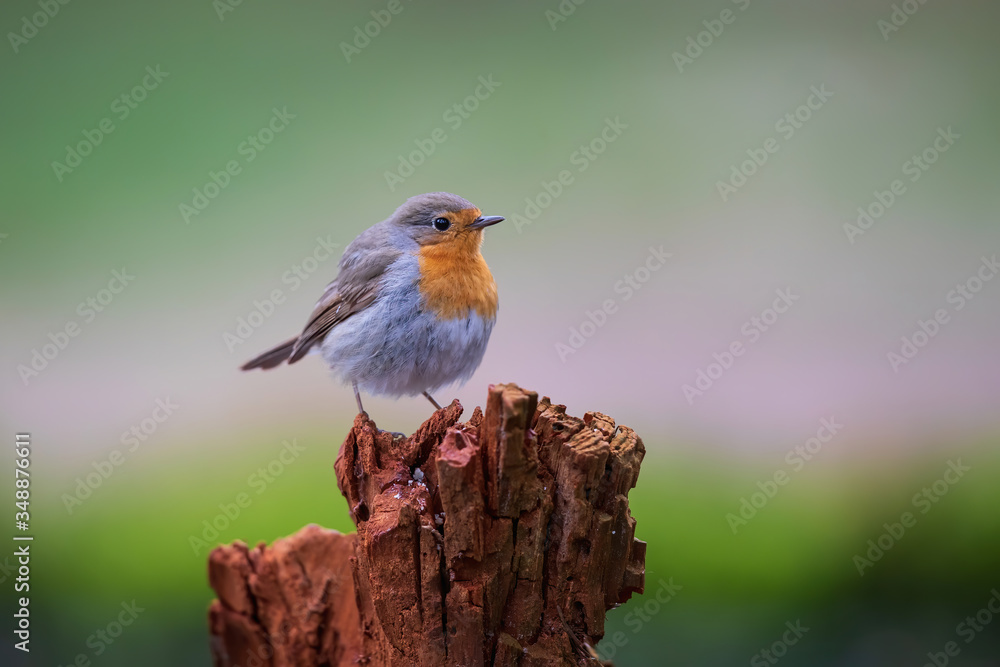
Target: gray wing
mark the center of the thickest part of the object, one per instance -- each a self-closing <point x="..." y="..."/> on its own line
<point x="355" y="288"/>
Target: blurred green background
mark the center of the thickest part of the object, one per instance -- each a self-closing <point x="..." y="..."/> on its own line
<point x="692" y="87"/>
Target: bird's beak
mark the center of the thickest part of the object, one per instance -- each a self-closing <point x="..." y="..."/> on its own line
<point x="485" y="221"/>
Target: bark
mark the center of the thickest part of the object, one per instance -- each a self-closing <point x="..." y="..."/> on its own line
<point x="500" y="541"/>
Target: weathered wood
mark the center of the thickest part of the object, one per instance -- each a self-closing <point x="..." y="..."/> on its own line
<point x="289" y="604"/>
<point x="500" y="541"/>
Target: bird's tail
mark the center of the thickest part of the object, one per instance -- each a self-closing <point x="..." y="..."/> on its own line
<point x="273" y="357"/>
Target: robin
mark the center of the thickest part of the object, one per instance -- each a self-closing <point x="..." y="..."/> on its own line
<point x="412" y="307"/>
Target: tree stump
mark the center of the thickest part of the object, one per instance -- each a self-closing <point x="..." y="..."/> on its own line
<point x="500" y="541"/>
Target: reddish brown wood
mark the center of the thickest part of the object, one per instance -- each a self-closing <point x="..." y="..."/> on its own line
<point x="500" y="541"/>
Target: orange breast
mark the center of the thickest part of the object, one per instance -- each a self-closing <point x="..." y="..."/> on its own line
<point x="454" y="279"/>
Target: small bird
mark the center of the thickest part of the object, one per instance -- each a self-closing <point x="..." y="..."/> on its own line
<point x="412" y="307"/>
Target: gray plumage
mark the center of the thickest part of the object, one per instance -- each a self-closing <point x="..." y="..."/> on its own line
<point x="370" y="324"/>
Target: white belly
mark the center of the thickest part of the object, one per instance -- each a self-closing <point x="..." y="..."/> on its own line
<point x="394" y="348"/>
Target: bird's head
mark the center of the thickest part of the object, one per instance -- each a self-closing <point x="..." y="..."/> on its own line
<point x="444" y="220"/>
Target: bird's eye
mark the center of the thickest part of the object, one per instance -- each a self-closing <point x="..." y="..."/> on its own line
<point x="441" y="224"/>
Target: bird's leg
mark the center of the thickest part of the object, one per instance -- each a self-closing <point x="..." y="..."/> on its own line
<point x="357" y="397"/>
<point x="433" y="402"/>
